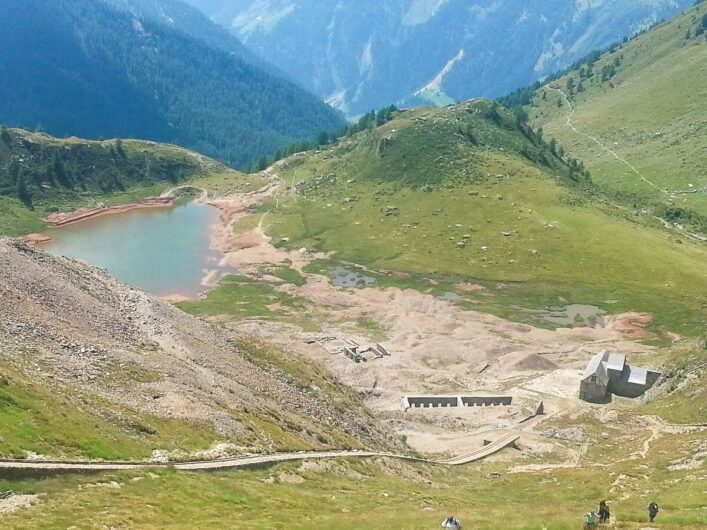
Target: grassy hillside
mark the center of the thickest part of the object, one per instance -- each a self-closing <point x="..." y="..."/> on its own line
<point x="40" y="174"/>
<point x="638" y="118"/>
<point x="58" y="421"/>
<point x="546" y="490"/>
<point x="387" y="494"/>
<point x="457" y="194"/>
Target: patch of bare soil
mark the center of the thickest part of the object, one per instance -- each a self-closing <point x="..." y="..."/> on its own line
<point x="36" y="239"/>
<point x="470" y="287"/>
<point x="630" y="324"/>
<point x="248" y="251"/>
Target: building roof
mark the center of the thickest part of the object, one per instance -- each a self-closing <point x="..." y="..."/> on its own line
<point x="592" y="365"/>
<point x="597" y="367"/>
<point x="637" y="375"/>
<point x="615" y="361"/>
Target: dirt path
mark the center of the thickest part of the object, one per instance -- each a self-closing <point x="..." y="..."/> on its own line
<point x="668" y="194"/>
<point x="570" y="115"/>
<point x="276" y="189"/>
<point x="657" y="428"/>
<point x="203" y="193"/>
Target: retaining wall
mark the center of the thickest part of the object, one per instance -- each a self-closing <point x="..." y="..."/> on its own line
<point x="427" y="402"/>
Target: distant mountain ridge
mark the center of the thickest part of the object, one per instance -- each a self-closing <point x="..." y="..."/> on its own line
<point x="366" y="54"/>
<point x="96" y="71"/>
<point x="187" y="19"/>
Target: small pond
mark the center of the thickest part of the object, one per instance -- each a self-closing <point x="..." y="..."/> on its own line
<point x="343" y="277"/>
<point x="568" y="315"/>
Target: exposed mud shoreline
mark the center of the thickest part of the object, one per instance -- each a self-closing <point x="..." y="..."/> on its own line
<point x="36" y="239"/>
<point x="84" y="214"/>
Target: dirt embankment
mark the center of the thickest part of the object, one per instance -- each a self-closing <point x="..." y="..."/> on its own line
<point x="91" y="332"/>
<point x="37" y="239"/>
<point x="83" y="214"/>
<point x="630" y="324"/>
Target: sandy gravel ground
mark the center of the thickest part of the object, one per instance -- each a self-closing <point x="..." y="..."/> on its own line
<point x="16" y="502"/>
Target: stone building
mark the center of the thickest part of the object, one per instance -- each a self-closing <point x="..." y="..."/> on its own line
<point x="608" y="373"/>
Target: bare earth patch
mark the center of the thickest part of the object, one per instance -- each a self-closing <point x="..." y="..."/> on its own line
<point x="631" y="324"/>
<point x="16" y="502"/>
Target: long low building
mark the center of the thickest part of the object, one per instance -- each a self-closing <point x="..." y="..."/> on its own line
<point x="608" y="373"/>
<point x="417" y="402"/>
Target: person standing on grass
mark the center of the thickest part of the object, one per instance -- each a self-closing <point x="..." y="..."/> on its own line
<point x="604" y="514"/>
<point x="652" y="511"/>
<point x="451" y="523"/>
<point x="590" y="520"/>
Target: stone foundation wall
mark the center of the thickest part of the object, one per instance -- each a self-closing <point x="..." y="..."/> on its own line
<point x="456" y="401"/>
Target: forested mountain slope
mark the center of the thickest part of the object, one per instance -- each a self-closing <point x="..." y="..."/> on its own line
<point x="637" y="116"/>
<point x="40" y="174"/>
<point x="94" y="71"/>
<point x="187" y="19"/>
<point x="364" y="54"/>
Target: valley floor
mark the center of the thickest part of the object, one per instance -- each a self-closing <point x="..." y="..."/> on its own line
<point x="438" y="345"/>
<point x="308" y="304"/>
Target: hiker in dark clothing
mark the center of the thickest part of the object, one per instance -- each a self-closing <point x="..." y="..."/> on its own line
<point x="604" y="514"/>
<point x="652" y="511"/>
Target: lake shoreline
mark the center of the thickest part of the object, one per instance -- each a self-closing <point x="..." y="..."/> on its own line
<point x="62" y="219"/>
<point x="128" y="227"/>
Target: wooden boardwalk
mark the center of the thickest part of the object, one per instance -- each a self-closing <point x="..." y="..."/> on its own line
<point x="252" y="460"/>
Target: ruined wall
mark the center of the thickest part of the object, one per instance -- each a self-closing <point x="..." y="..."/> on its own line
<point x="432" y="402"/>
<point x="486" y="401"/>
<point x="593" y="390"/>
<point x="456" y="401"/>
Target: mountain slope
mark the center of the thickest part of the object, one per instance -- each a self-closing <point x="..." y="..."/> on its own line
<point x="638" y="118"/>
<point x="369" y="54"/>
<point x="182" y="17"/>
<point x="113" y="75"/>
<point x="133" y="374"/>
<point x="455" y="195"/>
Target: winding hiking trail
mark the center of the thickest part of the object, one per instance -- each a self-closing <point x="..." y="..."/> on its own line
<point x="628" y="164"/>
<point x="255" y="460"/>
<point x="276" y="188"/>
<point x="613" y="153"/>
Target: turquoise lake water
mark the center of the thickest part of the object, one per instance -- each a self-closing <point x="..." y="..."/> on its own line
<point x="163" y="251"/>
